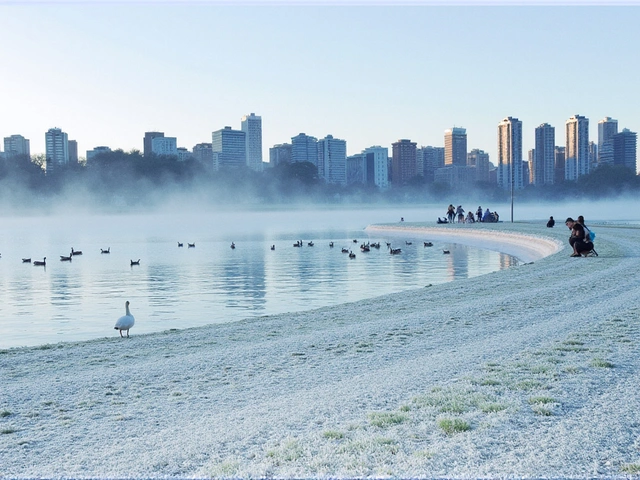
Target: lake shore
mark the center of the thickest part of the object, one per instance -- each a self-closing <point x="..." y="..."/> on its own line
<point x="529" y="372"/>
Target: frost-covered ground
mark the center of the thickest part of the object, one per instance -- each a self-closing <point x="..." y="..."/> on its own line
<point x="529" y="372"/>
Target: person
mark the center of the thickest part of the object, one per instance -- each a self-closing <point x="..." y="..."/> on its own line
<point x="577" y="239"/>
<point x="442" y="220"/>
<point x="589" y="236"/>
<point x="460" y="214"/>
<point x="487" y="216"/>
<point x="551" y="222"/>
<point x="479" y="213"/>
<point x="470" y="218"/>
<point x="451" y="213"/>
<point x="496" y="217"/>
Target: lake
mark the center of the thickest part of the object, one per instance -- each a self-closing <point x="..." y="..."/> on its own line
<point x="184" y="287"/>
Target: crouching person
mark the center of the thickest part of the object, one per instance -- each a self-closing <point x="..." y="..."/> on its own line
<point x="580" y="244"/>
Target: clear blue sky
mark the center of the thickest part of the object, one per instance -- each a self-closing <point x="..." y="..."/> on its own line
<point x="370" y="74"/>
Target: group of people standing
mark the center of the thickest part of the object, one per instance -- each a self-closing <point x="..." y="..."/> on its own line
<point x="454" y="213"/>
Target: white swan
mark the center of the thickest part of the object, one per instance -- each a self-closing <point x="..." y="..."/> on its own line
<point x="126" y="321"/>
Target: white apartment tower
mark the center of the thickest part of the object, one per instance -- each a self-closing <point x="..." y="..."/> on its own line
<point x="576" y="147"/>
<point x="607" y="128"/>
<point x="57" y="149"/>
<point x="510" y="174"/>
<point x="378" y="158"/>
<point x="252" y="126"/>
<point x="544" y="155"/>
<point x="16" y="145"/>
<point x="332" y="160"/>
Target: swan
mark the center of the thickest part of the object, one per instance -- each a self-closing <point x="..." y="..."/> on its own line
<point x="42" y="263"/>
<point x="137" y="262"/>
<point x="75" y="252"/>
<point x="108" y="250"/>
<point x="126" y="321"/>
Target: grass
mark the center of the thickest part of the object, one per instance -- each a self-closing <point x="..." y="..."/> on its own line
<point x="7" y="431"/>
<point x="542" y="411"/>
<point x="5" y="413"/>
<point x="452" y="426"/>
<point x="386" y="419"/>
<point x="492" y="407"/>
<point x="541" y="400"/>
<point x="632" y="468"/>
<point x="600" y="363"/>
<point x="333" y="435"/>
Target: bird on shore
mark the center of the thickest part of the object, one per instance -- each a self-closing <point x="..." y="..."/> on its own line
<point x="126" y="321"/>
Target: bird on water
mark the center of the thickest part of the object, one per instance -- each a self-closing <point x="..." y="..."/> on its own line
<point x="125" y="322"/>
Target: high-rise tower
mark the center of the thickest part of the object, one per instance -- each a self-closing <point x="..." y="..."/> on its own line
<point x="455" y="146"/>
<point x="510" y="174"/>
<point x="57" y="149"/>
<point x="607" y="128"/>
<point x="576" y="147"/>
<point x="252" y="126"/>
<point x="544" y="155"/>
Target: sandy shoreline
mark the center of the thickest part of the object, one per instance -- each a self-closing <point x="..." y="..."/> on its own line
<point x="539" y="362"/>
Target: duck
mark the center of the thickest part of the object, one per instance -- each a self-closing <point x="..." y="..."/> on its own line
<point x="446" y="251"/>
<point x="233" y="245"/>
<point x="352" y="255"/>
<point x="180" y="244"/>
<point x="355" y="240"/>
<point x="26" y="260"/>
<point x="66" y="259"/>
<point x="310" y="244"/>
<point x="298" y="244"/>
<point x="408" y="243"/>
<point x="395" y="251"/>
<point x="42" y="263"/>
<point x="273" y="247"/>
<point x="428" y="244"/>
<point x="108" y="250"/>
<point x="137" y="262"/>
<point x="331" y="244"/>
<point x="75" y="252"/>
<point x="344" y="250"/>
<point x="191" y="245"/>
<point x="126" y="321"/>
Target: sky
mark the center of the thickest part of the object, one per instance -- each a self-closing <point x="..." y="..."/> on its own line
<point x="369" y="73"/>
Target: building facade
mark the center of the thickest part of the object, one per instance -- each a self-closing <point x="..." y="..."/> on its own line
<point x="148" y="138"/>
<point x="377" y="166"/>
<point x="57" y="150"/>
<point x="16" y="145"/>
<point x="229" y="148"/>
<point x="624" y="149"/>
<point x="559" y="165"/>
<point x="203" y="153"/>
<point x="280" y="153"/>
<point x="479" y="161"/>
<point x="73" y="152"/>
<point x="544" y="156"/>
<point x="164" y="146"/>
<point x="607" y="128"/>
<point x="455" y="146"/>
<point x="510" y="174"/>
<point x="304" y="148"/>
<point x="251" y="125"/>
<point x="332" y="160"/>
<point x="91" y="154"/>
<point x="576" y="161"/>
<point x="403" y="161"/>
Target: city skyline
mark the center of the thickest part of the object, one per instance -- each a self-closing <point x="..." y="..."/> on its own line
<point x="321" y="70"/>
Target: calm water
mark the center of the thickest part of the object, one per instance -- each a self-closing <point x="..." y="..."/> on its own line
<point x="211" y="283"/>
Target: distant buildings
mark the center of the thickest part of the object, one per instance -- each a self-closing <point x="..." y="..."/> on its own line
<point x="455" y="146"/>
<point x="430" y="158"/>
<point x="16" y="145"/>
<point x="147" y="146"/>
<point x="73" y="152"/>
<point x="229" y="148"/>
<point x="624" y="148"/>
<point x="57" y="150"/>
<point x="251" y="125"/>
<point x="403" y="161"/>
<point x="478" y="160"/>
<point x="203" y="153"/>
<point x="544" y="153"/>
<point x="607" y="128"/>
<point x="91" y="154"/>
<point x="510" y="171"/>
<point x="164" y="146"/>
<point x="576" y="161"/>
<point x="281" y="153"/>
<point x="332" y="160"/>
<point x="376" y="166"/>
<point x="304" y="148"/>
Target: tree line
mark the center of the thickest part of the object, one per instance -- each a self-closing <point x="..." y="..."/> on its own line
<point x="130" y="179"/>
